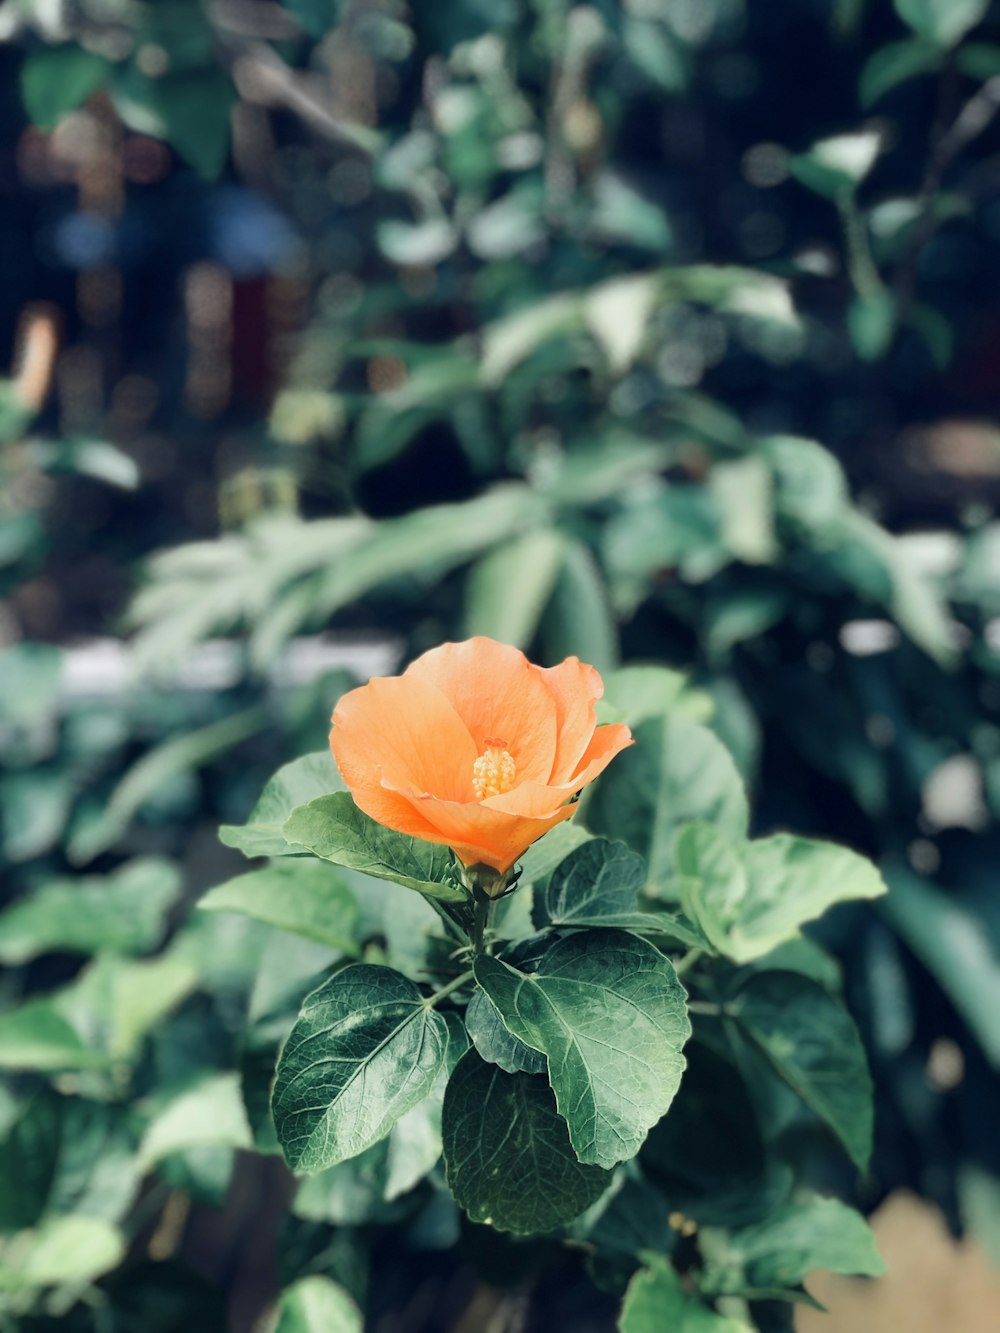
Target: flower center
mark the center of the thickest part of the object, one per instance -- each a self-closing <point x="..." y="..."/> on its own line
<point x="493" y="772"/>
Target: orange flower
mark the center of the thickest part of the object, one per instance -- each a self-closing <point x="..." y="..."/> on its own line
<point x="474" y="747"/>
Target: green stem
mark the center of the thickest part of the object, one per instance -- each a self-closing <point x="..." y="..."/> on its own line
<point x="688" y="961"/>
<point x="480" y="921"/>
<point x="432" y="1000"/>
<point x="706" y="1007"/>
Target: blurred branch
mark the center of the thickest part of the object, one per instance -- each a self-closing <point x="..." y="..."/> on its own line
<point x="971" y="121"/>
<point x="262" y="76"/>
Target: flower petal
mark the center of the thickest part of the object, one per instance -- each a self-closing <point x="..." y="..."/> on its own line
<point x="403" y="733"/>
<point x="477" y="833"/>
<point x="499" y="695"/>
<point x="575" y="687"/>
<point x="536" y="799"/>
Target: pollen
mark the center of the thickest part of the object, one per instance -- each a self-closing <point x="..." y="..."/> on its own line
<point x="493" y="772"/>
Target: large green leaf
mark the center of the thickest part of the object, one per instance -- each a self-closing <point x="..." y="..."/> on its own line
<point x="810" y="1039"/>
<point x="578" y="619"/>
<point x="507" y="1153"/>
<point x="335" y="829"/>
<point x="608" y="1012"/>
<point x="317" y="1305"/>
<point x="675" y="772"/>
<point x="364" y="1049"/>
<point x="748" y="899"/>
<point x="122" y="913"/>
<point x="656" y="1302"/>
<point x="298" y="894"/>
<point x="293" y="785"/>
<point x="943" y="22"/>
<point x="778" y="1252"/>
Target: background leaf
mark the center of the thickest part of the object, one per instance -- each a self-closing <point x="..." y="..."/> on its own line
<point x="507" y="1153"/>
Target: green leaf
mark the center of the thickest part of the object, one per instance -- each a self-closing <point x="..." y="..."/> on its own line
<point x="117" y="1001"/>
<point x="317" y="1305"/>
<point x="943" y="22"/>
<point x="62" y="1250"/>
<point x="293" y="785"/>
<point x="748" y="899"/>
<point x="836" y="166"/>
<point x="810" y="1039"/>
<point x="37" y="1036"/>
<point x="58" y="79"/>
<point x="810" y="488"/>
<point x="542" y="857"/>
<point x="947" y="935"/>
<point x="494" y="1043"/>
<point x="507" y="1153"/>
<point x="29" y="683"/>
<point x="508" y="589"/>
<point x="633" y="694"/>
<point x="211" y="1113"/>
<point x="871" y="320"/>
<point x="817" y="1233"/>
<point x="655" y="1302"/>
<point x="364" y="1049"/>
<point x="335" y="829"/>
<point x="597" y="885"/>
<point x="675" y="772"/>
<point x="978" y="60"/>
<point x="190" y="109"/>
<point x="894" y="64"/>
<point x="121" y="913"/>
<point x="298" y="895"/>
<point x="608" y="1012"/>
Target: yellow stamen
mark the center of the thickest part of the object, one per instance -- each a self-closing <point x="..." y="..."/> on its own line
<point x="493" y="772"/>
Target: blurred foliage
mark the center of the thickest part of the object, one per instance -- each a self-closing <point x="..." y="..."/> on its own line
<point x="648" y="332"/>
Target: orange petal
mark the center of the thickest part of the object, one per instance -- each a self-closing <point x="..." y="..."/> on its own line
<point x="499" y="695"/>
<point x="402" y="732"/>
<point x="575" y="687"/>
<point x="537" y="799"/>
<point x="477" y="833"/>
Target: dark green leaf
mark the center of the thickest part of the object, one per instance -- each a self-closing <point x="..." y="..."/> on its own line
<point x="597" y="885"/>
<point x="299" y="895"/>
<point x="58" y="79"/>
<point x="335" y="829"/>
<point x="608" y="1012"/>
<point x="494" y="1043"/>
<point x="189" y="109"/>
<point x="507" y="1153"/>
<point x="293" y="785"/>
<point x="893" y="64"/>
<point x="365" y="1048"/>
<point x="810" y="1039"/>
